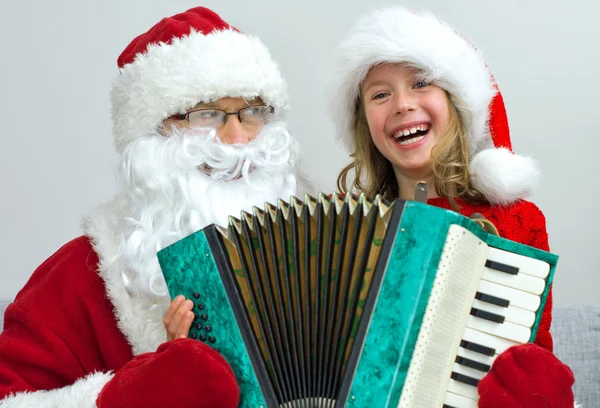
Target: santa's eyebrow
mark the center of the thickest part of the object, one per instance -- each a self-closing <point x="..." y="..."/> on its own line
<point x="213" y="104"/>
<point x="206" y="105"/>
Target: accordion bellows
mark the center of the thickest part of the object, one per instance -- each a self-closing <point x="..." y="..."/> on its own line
<point x="351" y="302"/>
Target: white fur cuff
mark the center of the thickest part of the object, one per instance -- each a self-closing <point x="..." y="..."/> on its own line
<point x="82" y="394"/>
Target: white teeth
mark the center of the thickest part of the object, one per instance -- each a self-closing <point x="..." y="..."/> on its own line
<point x="411" y="131"/>
<point x="411" y="141"/>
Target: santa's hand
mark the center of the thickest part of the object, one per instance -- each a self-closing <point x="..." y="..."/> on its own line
<point x="178" y="318"/>
<point x="181" y="373"/>
<point x="527" y="376"/>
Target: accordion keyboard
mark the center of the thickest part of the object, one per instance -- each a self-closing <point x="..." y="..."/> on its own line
<point x="502" y="315"/>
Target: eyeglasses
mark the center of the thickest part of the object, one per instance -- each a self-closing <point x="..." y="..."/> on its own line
<point x="251" y="117"/>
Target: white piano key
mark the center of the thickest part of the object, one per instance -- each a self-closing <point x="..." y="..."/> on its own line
<point x="471" y="355"/>
<point x="516" y="297"/>
<point x="524" y="282"/>
<point x="529" y="266"/>
<point x="464" y="390"/>
<point x="512" y="314"/>
<point x="504" y="330"/>
<point x="471" y="372"/>
<point x="484" y="339"/>
<point x="458" y="401"/>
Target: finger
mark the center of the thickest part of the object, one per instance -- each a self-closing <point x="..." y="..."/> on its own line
<point x="172" y="309"/>
<point x="178" y="316"/>
<point x="184" y="326"/>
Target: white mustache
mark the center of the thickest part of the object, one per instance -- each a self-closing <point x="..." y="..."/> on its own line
<point x="226" y="162"/>
<point x="166" y="197"/>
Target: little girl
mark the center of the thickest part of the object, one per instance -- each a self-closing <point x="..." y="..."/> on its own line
<point x="414" y="101"/>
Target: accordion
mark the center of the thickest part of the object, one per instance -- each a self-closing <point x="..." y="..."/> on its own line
<point x="350" y="302"/>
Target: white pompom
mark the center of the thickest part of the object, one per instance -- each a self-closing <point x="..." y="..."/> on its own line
<point x="502" y="176"/>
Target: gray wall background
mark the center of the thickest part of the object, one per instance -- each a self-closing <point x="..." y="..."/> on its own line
<point x="58" y="59"/>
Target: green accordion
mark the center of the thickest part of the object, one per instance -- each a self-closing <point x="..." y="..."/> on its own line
<point x="351" y="302"/>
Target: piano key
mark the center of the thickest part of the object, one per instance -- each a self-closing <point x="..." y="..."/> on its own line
<point x="516" y="297"/>
<point x="512" y="314"/>
<point x="493" y="300"/>
<point x="482" y="314"/>
<point x="464" y="390"/>
<point x="496" y="343"/>
<point x="500" y="267"/>
<point x="524" y="282"/>
<point x="458" y="401"/>
<point x="474" y="356"/>
<point x="469" y="372"/>
<point x="465" y="379"/>
<point x="506" y="330"/>
<point x="526" y="265"/>
<point x="478" y="348"/>
<point x="474" y="364"/>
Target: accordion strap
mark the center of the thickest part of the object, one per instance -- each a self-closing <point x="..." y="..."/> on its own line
<point x="484" y="223"/>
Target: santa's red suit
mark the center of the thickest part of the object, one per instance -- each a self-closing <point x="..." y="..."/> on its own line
<point x="87" y="329"/>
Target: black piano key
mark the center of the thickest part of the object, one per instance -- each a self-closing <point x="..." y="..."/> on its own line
<point x="476" y="365"/>
<point x="465" y="379"/>
<point x="482" y="314"/>
<point x="477" y="348"/>
<point x="497" y="266"/>
<point x="484" y="297"/>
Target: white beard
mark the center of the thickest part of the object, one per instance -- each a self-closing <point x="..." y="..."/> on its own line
<point x="167" y="197"/>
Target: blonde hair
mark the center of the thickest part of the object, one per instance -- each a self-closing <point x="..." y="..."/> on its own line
<point x="373" y="174"/>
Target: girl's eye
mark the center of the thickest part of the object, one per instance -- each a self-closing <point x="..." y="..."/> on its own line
<point x="420" y="84"/>
<point x="380" y="95"/>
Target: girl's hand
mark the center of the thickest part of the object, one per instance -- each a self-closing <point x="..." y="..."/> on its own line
<point x="527" y="376"/>
<point x="178" y="318"/>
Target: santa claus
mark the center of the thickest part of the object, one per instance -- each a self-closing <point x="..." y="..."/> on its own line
<point x="199" y="113"/>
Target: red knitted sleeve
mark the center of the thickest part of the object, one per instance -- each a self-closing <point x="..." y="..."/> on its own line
<point x="535" y="235"/>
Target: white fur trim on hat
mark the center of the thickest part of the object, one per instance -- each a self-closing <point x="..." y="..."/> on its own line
<point x="170" y="78"/>
<point x="397" y="35"/>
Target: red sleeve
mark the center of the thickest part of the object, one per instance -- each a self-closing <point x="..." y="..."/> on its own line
<point x="534" y="223"/>
<point x="32" y="356"/>
<point x="61" y="326"/>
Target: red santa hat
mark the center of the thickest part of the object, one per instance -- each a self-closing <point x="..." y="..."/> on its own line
<point x="398" y="35"/>
<point x="186" y="59"/>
